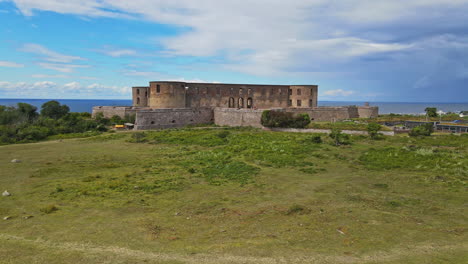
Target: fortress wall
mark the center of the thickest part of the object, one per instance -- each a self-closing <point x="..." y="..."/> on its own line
<point x="237" y="117"/>
<point x="110" y="111"/>
<point x="172" y="118"/>
<point x="327" y="114"/>
<point x="368" y="111"/>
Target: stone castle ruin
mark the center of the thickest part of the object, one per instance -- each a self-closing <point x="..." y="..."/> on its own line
<point x="175" y="104"/>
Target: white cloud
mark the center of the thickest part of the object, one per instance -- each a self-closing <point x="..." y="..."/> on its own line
<point x="66" y="68"/>
<point x="147" y="74"/>
<point x="10" y="64"/>
<point x="338" y="92"/>
<point x="119" y="52"/>
<point x="49" y="55"/>
<point x="45" y="76"/>
<point x="269" y="37"/>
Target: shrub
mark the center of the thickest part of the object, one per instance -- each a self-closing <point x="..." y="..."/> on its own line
<point x="422" y="130"/>
<point x="49" y="209"/>
<point x="272" y="118"/>
<point x="373" y="130"/>
<point x="295" y="209"/>
<point x="32" y="133"/>
<point x="339" y="138"/>
<point x="116" y="120"/>
<point x="138" y="137"/>
<point x="316" y="139"/>
<point x="223" y="134"/>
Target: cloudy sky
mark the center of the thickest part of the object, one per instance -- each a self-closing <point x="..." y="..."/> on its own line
<point x="364" y="50"/>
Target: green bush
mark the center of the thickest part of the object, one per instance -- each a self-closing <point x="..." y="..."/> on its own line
<point x="223" y="134"/>
<point x="373" y="130"/>
<point x="49" y="209"/>
<point x="422" y="130"/>
<point x="339" y="138"/>
<point x="272" y="118"/>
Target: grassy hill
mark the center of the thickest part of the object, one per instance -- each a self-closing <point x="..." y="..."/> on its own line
<point x="234" y="196"/>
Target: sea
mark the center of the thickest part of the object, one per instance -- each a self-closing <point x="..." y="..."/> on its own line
<point x="86" y="105"/>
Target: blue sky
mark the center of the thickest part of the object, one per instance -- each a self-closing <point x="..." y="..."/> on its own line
<point x="355" y="50"/>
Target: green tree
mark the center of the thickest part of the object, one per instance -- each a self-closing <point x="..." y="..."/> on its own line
<point x="373" y="130"/>
<point x="431" y="111"/>
<point x="28" y="111"/>
<point x="116" y="120"/>
<point x="54" y="110"/>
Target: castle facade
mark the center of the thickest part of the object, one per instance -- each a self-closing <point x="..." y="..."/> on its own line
<point x="167" y="104"/>
<point x="249" y="96"/>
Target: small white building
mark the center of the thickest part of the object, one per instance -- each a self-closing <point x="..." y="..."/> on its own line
<point x="463" y="113"/>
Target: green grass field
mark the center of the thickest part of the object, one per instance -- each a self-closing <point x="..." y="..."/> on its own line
<point x="234" y="196"/>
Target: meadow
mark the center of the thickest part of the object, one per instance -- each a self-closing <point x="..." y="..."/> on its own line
<point x="234" y="195"/>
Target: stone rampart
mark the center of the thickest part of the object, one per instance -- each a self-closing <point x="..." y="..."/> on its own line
<point x="172" y="117"/>
<point x="237" y="117"/>
<point x="110" y="111"/>
<point x="368" y="111"/>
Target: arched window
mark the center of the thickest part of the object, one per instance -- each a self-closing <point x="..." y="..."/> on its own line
<point x="240" y="103"/>
<point x="138" y="100"/>
<point x="249" y="91"/>
<point x="138" y="91"/>
<point x="231" y="102"/>
<point x="158" y="88"/>
<point x="146" y="93"/>
<point x="249" y="102"/>
<point x="240" y="91"/>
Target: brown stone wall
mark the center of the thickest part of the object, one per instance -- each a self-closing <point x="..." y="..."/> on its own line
<point x="167" y="95"/>
<point x="110" y="111"/>
<point x="172" y="118"/>
<point x="236" y="95"/>
<point x="180" y="95"/>
<point x="328" y="114"/>
<point x="237" y="117"/>
<point x="303" y="96"/>
<point x="140" y="96"/>
<point x="368" y="111"/>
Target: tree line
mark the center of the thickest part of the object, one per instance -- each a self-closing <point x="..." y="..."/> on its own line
<point x="24" y="123"/>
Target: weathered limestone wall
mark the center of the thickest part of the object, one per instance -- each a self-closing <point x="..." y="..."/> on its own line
<point x="303" y="96"/>
<point x="237" y="117"/>
<point x="166" y="95"/>
<point x="250" y="96"/>
<point x="368" y="111"/>
<point x="140" y="96"/>
<point x="110" y="111"/>
<point x="172" y="117"/>
<point x="236" y="95"/>
<point x="330" y="114"/>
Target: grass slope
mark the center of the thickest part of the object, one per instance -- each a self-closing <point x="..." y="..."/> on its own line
<point x="234" y="196"/>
